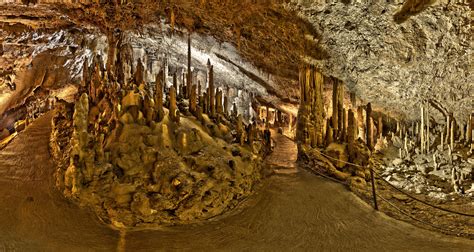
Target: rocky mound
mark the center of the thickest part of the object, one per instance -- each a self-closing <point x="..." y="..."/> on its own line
<point x="136" y="164"/>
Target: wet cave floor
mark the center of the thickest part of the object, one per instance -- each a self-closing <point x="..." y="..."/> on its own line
<point x="290" y="211"/>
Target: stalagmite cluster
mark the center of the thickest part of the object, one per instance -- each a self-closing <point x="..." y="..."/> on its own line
<point x="143" y="154"/>
<point x="330" y="137"/>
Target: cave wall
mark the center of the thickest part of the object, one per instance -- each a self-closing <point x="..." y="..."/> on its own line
<point x="397" y="64"/>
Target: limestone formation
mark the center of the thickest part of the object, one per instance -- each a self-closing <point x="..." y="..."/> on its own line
<point x="173" y="109"/>
<point x="193" y="100"/>
<point x="212" y="104"/>
<point x="159" y="98"/>
<point x="369" y="129"/>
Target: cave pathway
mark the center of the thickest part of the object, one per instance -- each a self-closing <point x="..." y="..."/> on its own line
<point x="297" y="211"/>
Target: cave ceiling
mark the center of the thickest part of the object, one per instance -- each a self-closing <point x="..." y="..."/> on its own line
<point x="393" y="54"/>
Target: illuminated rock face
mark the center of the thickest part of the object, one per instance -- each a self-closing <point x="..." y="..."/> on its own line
<point x="397" y="65"/>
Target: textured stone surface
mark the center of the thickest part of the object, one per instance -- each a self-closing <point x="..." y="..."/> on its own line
<point x="395" y="66"/>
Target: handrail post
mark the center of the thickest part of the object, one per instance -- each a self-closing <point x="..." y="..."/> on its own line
<point x="373" y="189"/>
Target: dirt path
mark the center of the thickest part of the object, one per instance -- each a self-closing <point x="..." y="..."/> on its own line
<point x="289" y="212"/>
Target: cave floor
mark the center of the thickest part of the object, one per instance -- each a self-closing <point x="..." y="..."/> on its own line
<point x="296" y="211"/>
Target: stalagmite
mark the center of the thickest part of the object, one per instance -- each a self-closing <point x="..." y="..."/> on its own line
<point x="442" y="140"/>
<point x="189" y="78"/>
<point x="335" y="107"/>
<point x="174" y="112"/>
<point x="212" y="107"/>
<point x="405" y="145"/>
<point x="193" y="100"/>
<point x="234" y="110"/>
<point x="199" y="87"/>
<point x="267" y="119"/>
<point x="469" y="130"/>
<point x="380" y="127"/>
<point x="205" y="103"/>
<point x="318" y="107"/>
<point x="448" y="128"/>
<point x="369" y="130"/>
<point x="422" y="130"/>
<point x="329" y="135"/>
<point x="450" y="155"/>
<point x="451" y="135"/>
<point x="219" y="108"/>
<point x="240" y="130"/>
<point x="353" y="100"/>
<point x="159" y="98"/>
<point x="351" y="128"/>
<point x="175" y="82"/>
<point x="344" y="124"/>
<point x="427" y="118"/>
<point x="360" y="122"/>
<point x="139" y="73"/>
<point x="226" y="105"/>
